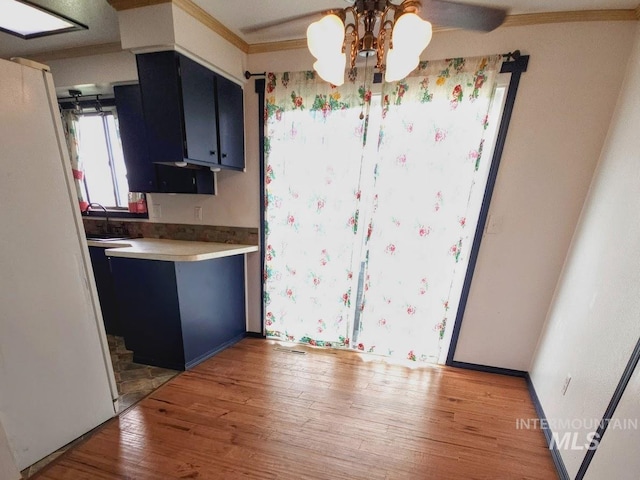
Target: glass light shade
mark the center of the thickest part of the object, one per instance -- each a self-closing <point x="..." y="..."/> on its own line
<point x="326" y="36"/>
<point x="410" y="36"/>
<point x="399" y="64"/>
<point x="411" y="33"/>
<point x="26" y="20"/>
<point x="331" y="69"/>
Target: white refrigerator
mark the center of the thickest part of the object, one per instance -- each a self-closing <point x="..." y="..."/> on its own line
<point x="56" y="378"/>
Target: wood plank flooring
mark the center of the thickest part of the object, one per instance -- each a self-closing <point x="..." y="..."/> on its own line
<point x="254" y="411"/>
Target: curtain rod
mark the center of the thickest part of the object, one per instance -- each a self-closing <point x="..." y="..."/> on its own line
<point x="248" y="74"/>
<point x="515" y="55"/>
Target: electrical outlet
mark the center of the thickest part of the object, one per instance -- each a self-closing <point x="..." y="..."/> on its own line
<point x="565" y="385"/>
<point x="197" y="213"/>
<point x="157" y="210"/>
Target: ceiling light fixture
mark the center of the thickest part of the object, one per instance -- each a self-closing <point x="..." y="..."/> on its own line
<point x="27" y="20"/>
<point x="371" y="22"/>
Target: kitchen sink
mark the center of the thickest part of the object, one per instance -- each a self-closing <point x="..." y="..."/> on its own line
<point x="104" y="237"/>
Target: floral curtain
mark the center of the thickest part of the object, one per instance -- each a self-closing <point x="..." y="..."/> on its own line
<point x="313" y="153"/>
<point x="429" y="182"/>
<point x="70" y="125"/>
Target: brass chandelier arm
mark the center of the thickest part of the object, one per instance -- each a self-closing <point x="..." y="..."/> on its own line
<point x="366" y="28"/>
<point x="386" y="17"/>
<point x="387" y="26"/>
<point x="352" y="34"/>
<point x="351" y="38"/>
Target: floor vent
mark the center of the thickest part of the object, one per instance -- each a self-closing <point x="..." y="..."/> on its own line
<point x="290" y="350"/>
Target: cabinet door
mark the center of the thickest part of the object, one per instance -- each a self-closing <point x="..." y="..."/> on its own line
<point x="175" y="179"/>
<point x="147" y="294"/>
<point x="185" y="180"/>
<point x="230" y="123"/>
<point x="106" y="290"/>
<point x="199" y="103"/>
<point x="161" y="94"/>
<point x="141" y="173"/>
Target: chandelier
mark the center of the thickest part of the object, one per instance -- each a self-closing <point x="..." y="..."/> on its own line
<point x="394" y="34"/>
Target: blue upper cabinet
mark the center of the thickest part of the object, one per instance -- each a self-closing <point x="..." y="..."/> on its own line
<point x="141" y="172"/>
<point x="192" y="114"/>
<point x="231" y="123"/>
<point x="143" y="175"/>
<point x="199" y="104"/>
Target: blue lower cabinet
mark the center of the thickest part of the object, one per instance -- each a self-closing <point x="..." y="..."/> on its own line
<point x="177" y="314"/>
<point x="106" y="291"/>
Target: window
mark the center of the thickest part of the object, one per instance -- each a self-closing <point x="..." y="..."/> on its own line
<point x="100" y="151"/>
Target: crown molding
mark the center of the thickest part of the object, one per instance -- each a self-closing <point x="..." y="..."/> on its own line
<point x="570" y="17"/>
<point x="192" y="9"/>
<point x="277" y="46"/>
<point x="511" y="21"/>
<point x="212" y="23"/>
<point x="84" y="51"/>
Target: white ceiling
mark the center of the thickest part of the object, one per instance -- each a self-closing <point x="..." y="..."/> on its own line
<point x="236" y="14"/>
<point x="98" y="15"/>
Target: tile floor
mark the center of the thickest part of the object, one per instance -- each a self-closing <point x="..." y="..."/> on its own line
<point x="134" y="381"/>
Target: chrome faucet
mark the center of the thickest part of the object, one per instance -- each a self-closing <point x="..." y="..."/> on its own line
<point x="106" y="215"/>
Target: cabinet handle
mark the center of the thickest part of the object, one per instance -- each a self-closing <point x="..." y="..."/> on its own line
<point x="212" y="152"/>
<point x="224" y="155"/>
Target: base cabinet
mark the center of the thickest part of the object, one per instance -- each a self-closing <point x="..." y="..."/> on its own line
<point x="106" y="290"/>
<point x="177" y="314"/>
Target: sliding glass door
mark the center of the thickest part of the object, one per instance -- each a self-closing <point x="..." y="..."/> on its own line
<point x="371" y="206"/>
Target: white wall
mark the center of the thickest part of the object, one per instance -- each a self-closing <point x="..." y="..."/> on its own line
<point x="592" y="325"/>
<point x="196" y="38"/>
<point x="166" y="26"/>
<point x="564" y="106"/>
<point x="617" y="456"/>
<point x="561" y="116"/>
<point x="148" y="26"/>
<point x="8" y="469"/>
<point x="562" y="112"/>
<point x="103" y="69"/>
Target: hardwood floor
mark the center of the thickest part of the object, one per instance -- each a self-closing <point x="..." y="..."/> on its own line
<point x="256" y="411"/>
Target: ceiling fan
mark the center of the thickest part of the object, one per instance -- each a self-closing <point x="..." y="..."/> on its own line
<point x="392" y="31"/>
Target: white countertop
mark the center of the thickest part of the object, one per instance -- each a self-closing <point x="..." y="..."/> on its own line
<point x="170" y="250"/>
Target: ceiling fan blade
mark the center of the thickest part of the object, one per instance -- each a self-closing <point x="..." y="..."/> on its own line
<point x="460" y="15"/>
<point x="282" y="21"/>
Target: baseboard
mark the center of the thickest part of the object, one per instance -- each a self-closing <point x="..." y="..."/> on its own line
<point x="254" y="335"/>
<point x="486" y="368"/>
<point x="192" y="363"/>
<point x="555" y="453"/>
